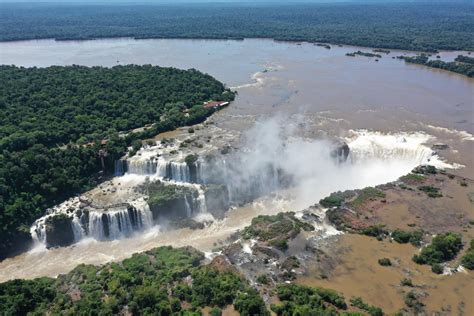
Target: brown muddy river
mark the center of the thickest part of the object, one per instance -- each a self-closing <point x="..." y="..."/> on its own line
<point x="326" y="90"/>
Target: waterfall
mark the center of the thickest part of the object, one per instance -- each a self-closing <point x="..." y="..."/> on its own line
<point x="120" y="167"/>
<point x="142" y="167"/>
<point x="119" y="222"/>
<point x="189" y="211"/>
<point x="405" y="147"/>
<point x="77" y="228"/>
<point x="201" y="200"/>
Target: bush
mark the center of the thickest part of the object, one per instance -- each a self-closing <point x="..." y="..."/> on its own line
<point x="215" y="311"/>
<point x="468" y="259"/>
<point x="404" y="237"/>
<point x="334" y="200"/>
<point x="431" y="191"/>
<point x="437" y="268"/>
<point x="385" y="262"/>
<point x="374" y="231"/>
<point x="443" y="247"/>
<point x="406" y="282"/>
<point x="372" y="310"/>
<point x="250" y="303"/>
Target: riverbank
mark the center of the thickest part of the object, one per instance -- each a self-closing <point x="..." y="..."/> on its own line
<point x="328" y="23"/>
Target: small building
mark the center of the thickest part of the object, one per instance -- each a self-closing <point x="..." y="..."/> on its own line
<point x="215" y="104"/>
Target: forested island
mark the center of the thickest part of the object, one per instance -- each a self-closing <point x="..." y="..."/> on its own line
<point x="463" y="65"/>
<point x="57" y="125"/>
<point x="410" y="26"/>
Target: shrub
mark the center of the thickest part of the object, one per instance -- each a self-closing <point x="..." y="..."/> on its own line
<point x="431" y="191"/>
<point x="406" y="282"/>
<point x="385" y="262"/>
<point x="404" y="237"/>
<point x="372" y="310"/>
<point x="444" y="247"/>
<point x="250" y="303"/>
<point x="437" y="268"/>
<point x="215" y="311"/>
<point x="333" y="200"/>
<point x="263" y="279"/>
<point x="374" y="231"/>
<point x="468" y="259"/>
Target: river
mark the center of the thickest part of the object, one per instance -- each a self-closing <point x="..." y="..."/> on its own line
<point x="323" y="90"/>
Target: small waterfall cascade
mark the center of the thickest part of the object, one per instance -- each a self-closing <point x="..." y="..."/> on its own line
<point x="114" y="222"/>
<point x="159" y="167"/>
<point x="118" y="222"/>
<point x="404" y="146"/>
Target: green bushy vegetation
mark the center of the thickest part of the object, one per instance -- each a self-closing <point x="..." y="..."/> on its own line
<point x="468" y="259"/>
<point x="159" y="193"/>
<point x="443" y="247"/>
<point x="365" y="195"/>
<point x="150" y="283"/>
<point x="334" y="200"/>
<point x="465" y="59"/>
<point x="413" y="178"/>
<point x="370" y="309"/>
<point x="403" y="237"/>
<point x="466" y="67"/>
<point x="52" y="121"/>
<point x="276" y="229"/>
<point x="365" y="54"/>
<point x="403" y="26"/>
<point x="304" y="300"/>
<point x="431" y="191"/>
<point x="378" y="231"/>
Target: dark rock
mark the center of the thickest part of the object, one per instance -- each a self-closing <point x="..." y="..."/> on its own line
<point x="59" y="232"/>
<point x="341" y="152"/>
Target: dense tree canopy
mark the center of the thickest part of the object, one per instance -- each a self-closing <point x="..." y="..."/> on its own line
<point x="158" y="282"/>
<point x="53" y="119"/>
<point x="424" y="26"/>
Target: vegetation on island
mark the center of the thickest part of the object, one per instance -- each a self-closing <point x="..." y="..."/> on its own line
<point x="360" y="53"/>
<point x="277" y="230"/>
<point x="58" y="124"/>
<point x="410" y="26"/>
<point x="443" y="247"/>
<point x="464" y="59"/>
<point x="462" y="65"/>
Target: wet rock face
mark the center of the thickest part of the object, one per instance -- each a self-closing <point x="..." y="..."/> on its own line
<point x="59" y="231"/>
<point x="174" y="208"/>
<point x="217" y="200"/>
<point x="341" y="152"/>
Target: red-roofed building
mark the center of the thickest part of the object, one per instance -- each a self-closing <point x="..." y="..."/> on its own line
<point x="215" y="104"/>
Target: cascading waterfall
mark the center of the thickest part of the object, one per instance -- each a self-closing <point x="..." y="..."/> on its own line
<point x="242" y="177"/>
<point x="117" y="223"/>
<point x="100" y="224"/>
<point x="402" y="147"/>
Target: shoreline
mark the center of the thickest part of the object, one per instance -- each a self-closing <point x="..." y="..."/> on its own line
<point x="296" y="42"/>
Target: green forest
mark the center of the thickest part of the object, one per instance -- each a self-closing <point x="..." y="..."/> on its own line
<point x="165" y="281"/>
<point x="52" y="122"/>
<point x="411" y="26"/>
